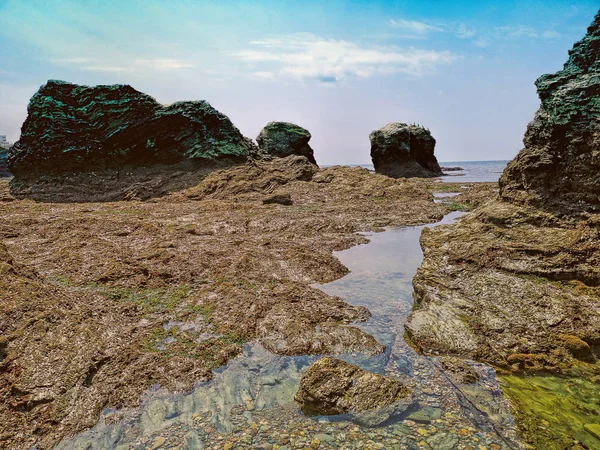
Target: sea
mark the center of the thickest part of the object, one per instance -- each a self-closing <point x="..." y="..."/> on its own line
<point x="473" y="171"/>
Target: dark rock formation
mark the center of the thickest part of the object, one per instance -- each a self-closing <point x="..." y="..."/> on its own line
<point x="559" y="167"/>
<point x="451" y="169"/>
<point x="4" y="172"/>
<point x="283" y="139"/>
<point x="80" y="129"/>
<point x="517" y="281"/>
<point x="401" y="150"/>
<point x="331" y="386"/>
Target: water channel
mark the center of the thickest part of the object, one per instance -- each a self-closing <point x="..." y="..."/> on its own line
<point x="249" y="403"/>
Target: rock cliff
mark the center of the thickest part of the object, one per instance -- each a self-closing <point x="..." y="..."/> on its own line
<point x="281" y="139"/>
<point x="517" y="282"/>
<point x="559" y="168"/>
<point x="401" y="150"/>
<point x="72" y="129"/>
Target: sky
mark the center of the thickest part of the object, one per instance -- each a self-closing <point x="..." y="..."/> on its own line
<point x="341" y="69"/>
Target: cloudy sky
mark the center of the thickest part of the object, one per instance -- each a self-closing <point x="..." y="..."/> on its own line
<point x="341" y="69"/>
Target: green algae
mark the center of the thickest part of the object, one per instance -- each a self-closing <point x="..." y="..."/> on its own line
<point x="555" y="412"/>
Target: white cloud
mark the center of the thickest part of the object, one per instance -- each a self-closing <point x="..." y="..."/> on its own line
<point x="463" y="32"/>
<point x="306" y="56"/>
<point x="520" y="31"/>
<point x="414" y="26"/>
<point x="135" y="65"/>
<point x="415" y="29"/>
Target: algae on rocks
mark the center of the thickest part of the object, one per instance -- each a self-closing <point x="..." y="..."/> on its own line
<point x="4" y="172"/>
<point x="281" y="139"/>
<point x="560" y="165"/>
<point x="72" y="129"/>
<point x="516" y="283"/>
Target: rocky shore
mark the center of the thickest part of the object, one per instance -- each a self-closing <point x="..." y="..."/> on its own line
<point x="165" y="290"/>
<point x="516" y="283"/>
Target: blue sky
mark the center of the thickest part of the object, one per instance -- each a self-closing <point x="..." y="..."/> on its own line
<point x="341" y="69"/>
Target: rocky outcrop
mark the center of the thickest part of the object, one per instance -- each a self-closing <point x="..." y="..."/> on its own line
<point x="281" y="139"/>
<point x="4" y="172"/>
<point x="559" y="168"/>
<point x="401" y="150"/>
<point x="72" y="129"/>
<point x="332" y="386"/>
<point x="516" y="283"/>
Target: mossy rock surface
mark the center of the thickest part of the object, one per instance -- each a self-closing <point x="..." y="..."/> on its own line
<point x="4" y="172"/>
<point x="73" y="128"/>
<point x="281" y="139"/>
<point x="559" y="167"/>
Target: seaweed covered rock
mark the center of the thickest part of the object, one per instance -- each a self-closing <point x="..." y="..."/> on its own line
<point x="401" y="150"/>
<point x="82" y="129"/>
<point x="332" y="386"/>
<point x="516" y="282"/>
<point x="4" y="172"/>
<point x="559" y="167"/>
<point x="281" y="139"/>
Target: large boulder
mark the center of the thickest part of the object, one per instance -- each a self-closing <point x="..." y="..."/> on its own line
<point x="559" y="168"/>
<point x="516" y="282"/>
<point x="332" y="386"/>
<point x="401" y="150"/>
<point x="281" y="139"/>
<point x="4" y="172"/>
<point x="72" y="129"/>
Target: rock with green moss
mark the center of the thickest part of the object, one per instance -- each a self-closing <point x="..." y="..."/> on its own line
<point x="332" y="386"/>
<point x="4" y="172"/>
<point x="281" y="139"/>
<point x="400" y="150"/>
<point x="559" y="168"/>
<point x="72" y="128"/>
<point x="516" y="282"/>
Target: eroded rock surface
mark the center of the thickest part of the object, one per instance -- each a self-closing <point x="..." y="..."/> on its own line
<point x="75" y="134"/>
<point x="517" y="282"/>
<point x="135" y="293"/>
<point x="332" y="386"/>
<point x="283" y="139"/>
<point x="559" y="168"/>
<point x="401" y="150"/>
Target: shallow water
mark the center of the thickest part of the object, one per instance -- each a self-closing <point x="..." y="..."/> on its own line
<point x="249" y="403"/>
<point x="473" y="171"/>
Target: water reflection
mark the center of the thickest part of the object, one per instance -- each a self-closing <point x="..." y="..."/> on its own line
<point x="249" y="403"/>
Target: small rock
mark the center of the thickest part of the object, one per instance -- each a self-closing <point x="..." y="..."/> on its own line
<point x="332" y="386"/>
<point x="284" y="199"/>
<point x="158" y="443"/>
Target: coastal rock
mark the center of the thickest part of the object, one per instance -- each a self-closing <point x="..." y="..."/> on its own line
<point x="72" y="129"/>
<point x="4" y="172"/>
<point x="459" y="370"/>
<point x="282" y="199"/>
<point x="516" y="282"/>
<point x="331" y="386"/>
<point x="401" y="150"/>
<point x="559" y="165"/>
<point x="281" y="139"/>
